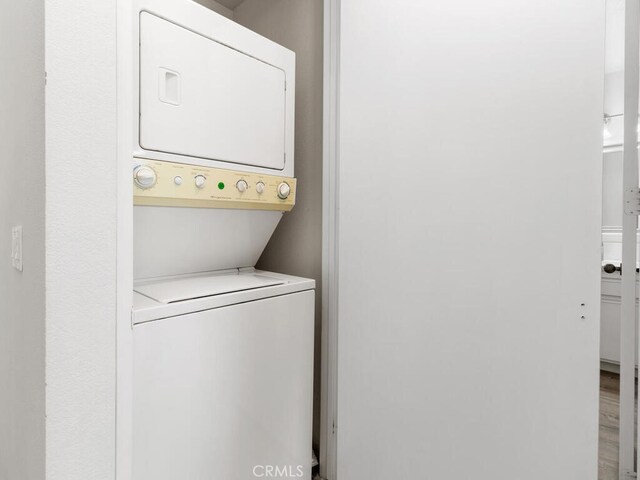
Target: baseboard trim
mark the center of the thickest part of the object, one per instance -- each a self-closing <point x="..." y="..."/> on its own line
<point x="612" y="367"/>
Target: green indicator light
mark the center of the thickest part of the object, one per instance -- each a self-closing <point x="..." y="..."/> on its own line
<point x="221" y="185"/>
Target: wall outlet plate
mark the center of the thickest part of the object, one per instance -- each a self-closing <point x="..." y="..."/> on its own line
<point x="16" y="247"/>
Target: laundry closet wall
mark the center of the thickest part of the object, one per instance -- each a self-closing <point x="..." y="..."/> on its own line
<point x="58" y="317"/>
<point x="22" y="196"/>
<point x="81" y="229"/>
<point x="216" y="7"/>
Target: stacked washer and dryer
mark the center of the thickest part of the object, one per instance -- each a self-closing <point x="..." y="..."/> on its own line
<point x="223" y="362"/>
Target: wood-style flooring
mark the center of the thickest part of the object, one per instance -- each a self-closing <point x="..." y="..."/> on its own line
<point x="609" y="424"/>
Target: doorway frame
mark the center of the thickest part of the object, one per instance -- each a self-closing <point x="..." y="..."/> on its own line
<point x="330" y="247"/>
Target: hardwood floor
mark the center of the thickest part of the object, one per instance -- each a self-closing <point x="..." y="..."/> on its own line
<point x="609" y="421"/>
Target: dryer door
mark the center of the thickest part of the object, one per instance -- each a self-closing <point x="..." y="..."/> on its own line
<point x="200" y="98"/>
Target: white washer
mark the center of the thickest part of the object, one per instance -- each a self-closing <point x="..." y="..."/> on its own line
<point x="223" y="376"/>
<point x="222" y="360"/>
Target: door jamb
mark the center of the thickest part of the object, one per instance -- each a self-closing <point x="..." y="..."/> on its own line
<point x="628" y="317"/>
<point x="330" y="247"/>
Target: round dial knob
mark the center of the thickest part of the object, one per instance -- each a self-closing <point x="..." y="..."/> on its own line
<point x="284" y="190"/>
<point x="259" y="187"/>
<point x="144" y="176"/>
<point x="200" y="180"/>
<point x="242" y="186"/>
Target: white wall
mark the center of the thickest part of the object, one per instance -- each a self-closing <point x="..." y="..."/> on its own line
<point x="612" y="207"/>
<point x="81" y="239"/>
<point x="612" y="189"/>
<point x="22" y="301"/>
<point x="296" y="246"/>
<point x="614" y="68"/>
<point x="613" y="105"/>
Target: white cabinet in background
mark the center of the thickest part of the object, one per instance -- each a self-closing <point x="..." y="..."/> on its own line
<point x="610" y="319"/>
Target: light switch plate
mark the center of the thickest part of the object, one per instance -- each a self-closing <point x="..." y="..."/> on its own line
<point x="16" y="247"/>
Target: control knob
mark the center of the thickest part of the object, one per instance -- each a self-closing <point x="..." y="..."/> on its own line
<point x="200" y="180"/>
<point x="144" y="176"/>
<point x="260" y="187"/>
<point x="284" y="190"/>
<point x="242" y="186"/>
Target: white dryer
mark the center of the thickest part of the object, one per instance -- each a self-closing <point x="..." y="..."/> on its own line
<point x="223" y="354"/>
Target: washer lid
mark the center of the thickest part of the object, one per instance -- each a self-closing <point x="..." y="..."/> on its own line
<point x="146" y="309"/>
<point x="190" y="288"/>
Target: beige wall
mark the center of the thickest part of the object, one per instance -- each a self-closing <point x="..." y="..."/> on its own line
<point x="216" y="7"/>
<point x="296" y="246"/>
<point x="22" y="301"/>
